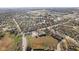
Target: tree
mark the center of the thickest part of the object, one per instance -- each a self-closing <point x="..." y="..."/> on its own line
<point x="1" y="35"/>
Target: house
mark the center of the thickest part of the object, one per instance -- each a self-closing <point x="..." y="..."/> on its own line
<point x="57" y="35"/>
<point x="41" y="33"/>
<point x="38" y="33"/>
<point x="34" y="34"/>
<point x="4" y="29"/>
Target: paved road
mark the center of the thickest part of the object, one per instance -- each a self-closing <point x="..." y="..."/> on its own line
<point x="24" y="40"/>
<point x="18" y="27"/>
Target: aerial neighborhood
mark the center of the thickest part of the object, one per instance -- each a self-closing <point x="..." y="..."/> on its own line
<point x="39" y="29"/>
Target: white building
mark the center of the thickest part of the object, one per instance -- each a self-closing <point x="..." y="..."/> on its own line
<point x="34" y="34"/>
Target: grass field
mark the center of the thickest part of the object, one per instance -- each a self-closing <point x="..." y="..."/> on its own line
<point x="6" y="43"/>
<point x="44" y="42"/>
<point x="10" y="42"/>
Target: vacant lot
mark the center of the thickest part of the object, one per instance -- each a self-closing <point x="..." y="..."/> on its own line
<point x="10" y="42"/>
<point x="44" y="42"/>
<point x="6" y="42"/>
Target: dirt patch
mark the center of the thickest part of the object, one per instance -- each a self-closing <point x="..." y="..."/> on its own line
<point x="6" y="43"/>
<point x="45" y="42"/>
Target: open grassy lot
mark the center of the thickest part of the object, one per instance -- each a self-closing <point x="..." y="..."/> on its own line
<point x="44" y="42"/>
<point x="6" y="42"/>
<point x="10" y="42"/>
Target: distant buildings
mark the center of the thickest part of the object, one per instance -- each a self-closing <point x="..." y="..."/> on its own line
<point x="38" y="33"/>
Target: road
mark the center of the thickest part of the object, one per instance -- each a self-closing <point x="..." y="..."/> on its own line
<point x="24" y="40"/>
<point x="18" y="27"/>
